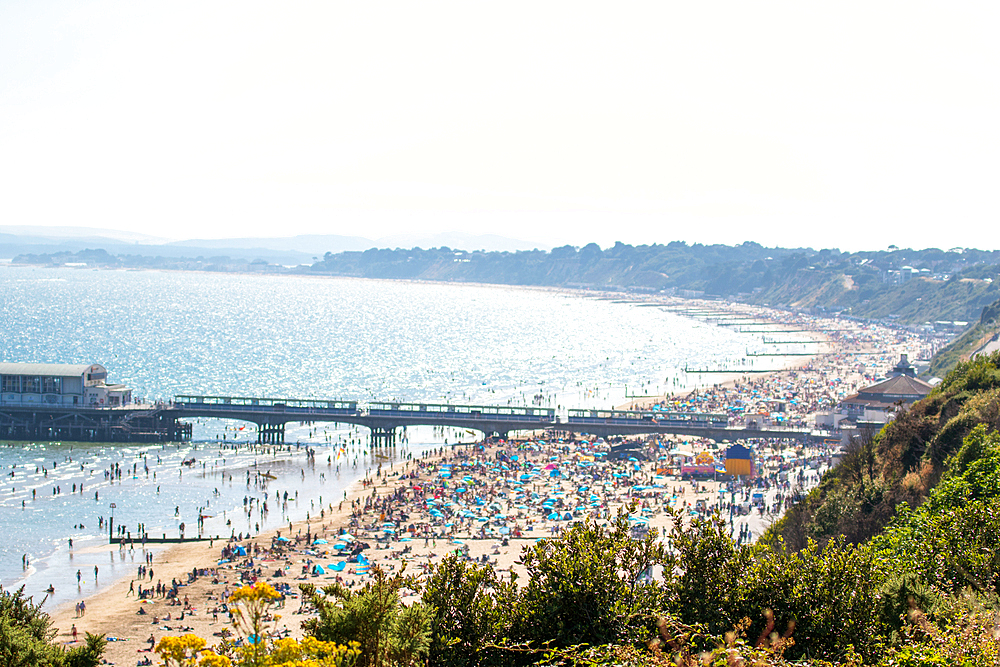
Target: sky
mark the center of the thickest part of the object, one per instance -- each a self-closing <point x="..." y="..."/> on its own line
<point x="853" y="125"/>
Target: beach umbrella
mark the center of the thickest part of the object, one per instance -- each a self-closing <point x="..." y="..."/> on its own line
<point x="554" y="516"/>
<point x="339" y="546"/>
<point x="282" y="539"/>
<point x="320" y="541"/>
<point x="338" y="567"/>
<point x="346" y="537"/>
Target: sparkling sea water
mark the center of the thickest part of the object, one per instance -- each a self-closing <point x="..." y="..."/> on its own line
<point x="169" y="333"/>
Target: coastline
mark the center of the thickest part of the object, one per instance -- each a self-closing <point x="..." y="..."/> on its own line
<point x="114" y="612"/>
<point x="730" y="380"/>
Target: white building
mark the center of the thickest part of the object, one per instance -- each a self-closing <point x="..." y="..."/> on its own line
<point x="876" y="405"/>
<point x="84" y="385"/>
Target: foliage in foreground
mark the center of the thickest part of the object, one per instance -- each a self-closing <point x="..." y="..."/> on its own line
<point x="388" y="632"/>
<point x="27" y="636"/>
<point x="251" y="607"/>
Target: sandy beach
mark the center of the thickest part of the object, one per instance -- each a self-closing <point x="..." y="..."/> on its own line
<point x="487" y="501"/>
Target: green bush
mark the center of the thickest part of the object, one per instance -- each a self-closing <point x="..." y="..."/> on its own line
<point x="472" y="612"/>
<point x="26" y="636"/>
<point x="587" y="587"/>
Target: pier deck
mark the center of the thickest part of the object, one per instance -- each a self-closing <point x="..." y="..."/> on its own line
<point x="166" y="422"/>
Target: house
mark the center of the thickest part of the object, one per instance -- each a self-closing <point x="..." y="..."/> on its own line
<point x="876" y="404"/>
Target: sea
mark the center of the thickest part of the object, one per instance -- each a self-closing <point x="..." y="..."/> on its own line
<point x="170" y="333"/>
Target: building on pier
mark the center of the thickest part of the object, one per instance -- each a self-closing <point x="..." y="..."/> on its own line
<point x="58" y="385"/>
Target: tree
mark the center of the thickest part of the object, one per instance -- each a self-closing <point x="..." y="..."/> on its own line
<point x="588" y="587"/>
<point x="472" y="612"/>
<point x="389" y="633"/>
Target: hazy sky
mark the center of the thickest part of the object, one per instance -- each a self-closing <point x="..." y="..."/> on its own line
<point x="851" y="125"/>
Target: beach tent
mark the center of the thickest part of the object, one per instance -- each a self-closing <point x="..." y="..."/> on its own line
<point x="319" y="570"/>
<point x="338" y="567"/>
<point x="239" y="551"/>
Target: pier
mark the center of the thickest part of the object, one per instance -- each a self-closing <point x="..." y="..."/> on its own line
<point x="170" y="421"/>
<point x="383" y="419"/>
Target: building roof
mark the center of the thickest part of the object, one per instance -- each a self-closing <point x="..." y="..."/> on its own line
<point x="58" y="370"/>
<point x="899" y="387"/>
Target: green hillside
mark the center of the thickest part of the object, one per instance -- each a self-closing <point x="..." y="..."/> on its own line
<point x="899" y="465"/>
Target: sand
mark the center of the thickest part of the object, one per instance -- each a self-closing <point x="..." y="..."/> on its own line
<point x="114" y="611"/>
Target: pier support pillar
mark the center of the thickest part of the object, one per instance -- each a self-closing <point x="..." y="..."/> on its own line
<point x="270" y="434"/>
<point x="383" y="437"/>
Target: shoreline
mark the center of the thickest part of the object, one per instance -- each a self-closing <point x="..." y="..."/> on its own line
<point x="112" y="604"/>
<point x="114" y="612"/>
<point x="730" y="380"/>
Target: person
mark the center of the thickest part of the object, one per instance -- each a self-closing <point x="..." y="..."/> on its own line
<point x="73" y="631"/>
<point x="131" y="588"/>
<point x="151" y="641"/>
<point x="95" y="574"/>
<point x="79" y="576"/>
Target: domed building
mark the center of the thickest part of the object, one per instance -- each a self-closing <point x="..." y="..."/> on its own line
<point x="876" y="405"/>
